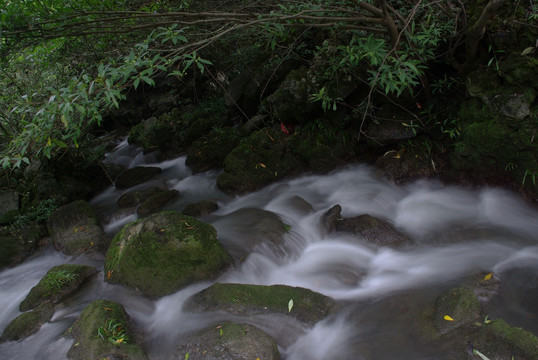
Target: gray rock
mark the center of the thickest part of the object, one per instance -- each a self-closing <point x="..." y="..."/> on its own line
<point x="74" y="229"/>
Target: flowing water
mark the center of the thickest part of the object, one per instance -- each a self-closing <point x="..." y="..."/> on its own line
<point x="383" y="292"/>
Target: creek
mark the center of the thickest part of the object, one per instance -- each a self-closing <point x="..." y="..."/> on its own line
<point x="383" y="292"/>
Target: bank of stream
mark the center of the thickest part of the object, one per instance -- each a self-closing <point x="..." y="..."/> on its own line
<point x="384" y="294"/>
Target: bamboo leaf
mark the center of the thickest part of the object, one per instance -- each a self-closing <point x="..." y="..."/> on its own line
<point x="290" y="305"/>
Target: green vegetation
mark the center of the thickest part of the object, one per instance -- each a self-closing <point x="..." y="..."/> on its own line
<point x="113" y="331"/>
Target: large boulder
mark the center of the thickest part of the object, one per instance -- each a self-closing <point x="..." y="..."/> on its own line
<point x="74" y="229"/>
<point x="306" y="305"/>
<point x="229" y="341"/>
<point x="164" y="252"/>
<point x="59" y="282"/>
<point x="261" y="159"/>
<point x="27" y="323"/>
<point x="103" y="331"/>
<point x="136" y="176"/>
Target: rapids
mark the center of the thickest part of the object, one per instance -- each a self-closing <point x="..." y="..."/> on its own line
<point x="455" y="232"/>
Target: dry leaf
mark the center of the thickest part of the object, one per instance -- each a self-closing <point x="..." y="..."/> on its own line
<point x="448" y="318"/>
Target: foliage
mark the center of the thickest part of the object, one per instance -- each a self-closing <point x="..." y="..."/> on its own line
<point x="39" y="213"/>
<point x="113" y="331"/>
<point x="57" y="280"/>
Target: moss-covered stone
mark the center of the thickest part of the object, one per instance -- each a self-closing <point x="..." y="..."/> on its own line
<point x="27" y="323"/>
<point x="229" y="341"/>
<point x="92" y="322"/>
<point x="498" y="340"/>
<point x="308" y="306"/>
<point x="59" y="282"/>
<point x="74" y="229"/>
<point x="164" y="252"/>
<point x="458" y="304"/>
<point x="258" y="161"/>
<point x="209" y="152"/>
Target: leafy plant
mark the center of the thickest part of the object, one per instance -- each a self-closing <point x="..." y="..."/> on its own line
<point x="113" y="331"/>
<point x="57" y="280"/>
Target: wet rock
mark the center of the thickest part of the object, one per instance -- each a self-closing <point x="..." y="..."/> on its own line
<point x="229" y="341"/>
<point x="520" y="286"/>
<point x="157" y="201"/>
<point x="260" y="227"/>
<point x="135" y="197"/>
<point x="58" y="283"/>
<point x="458" y="304"/>
<point x="373" y="230"/>
<point x="74" y="229"/>
<point x="331" y="218"/>
<point x="500" y="341"/>
<point x="485" y="286"/>
<point x="209" y="151"/>
<point x="27" y="323"/>
<point x="241" y="299"/>
<point x="136" y="175"/>
<point x="261" y="159"/>
<point x="103" y="331"/>
<point x="164" y="252"/>
<point x="201" y="208"/>
<point x="391" y="130"/>
<point x="403" y="166"/>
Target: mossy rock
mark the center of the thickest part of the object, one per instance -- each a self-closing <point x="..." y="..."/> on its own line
<point x="92" y="321"/>
<point x="27" y="323"/>
<point x="460" y="305"/>
<point x="58" y="283"/>
<point x="157" y="201"/>
<point x="500" y="341"/>
<point x="74" y="229"/>
<point x="261" y="159"/>
<point x="241" y="299"/>
<point x="153" y="133"/>
<point x="164" y="252"/>
<point x="209" y="152"/>
<point x="136" y="176"/>
<point x="229" y="341"/>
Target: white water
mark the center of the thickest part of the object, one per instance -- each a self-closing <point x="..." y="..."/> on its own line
<point x="455" y="233"/>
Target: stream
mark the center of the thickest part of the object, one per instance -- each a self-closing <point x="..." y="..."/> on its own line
<point x="382" y="292"/>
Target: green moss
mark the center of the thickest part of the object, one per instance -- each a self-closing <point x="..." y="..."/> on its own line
<point x="59" y="281"/>
<point x="164" y="252"/>
<point x="88" y="344"/>
<point x="498" y="340"/>
<point x="308" y="306"/>
<point x="27" y="323"/>
<point x="461" y="305"/>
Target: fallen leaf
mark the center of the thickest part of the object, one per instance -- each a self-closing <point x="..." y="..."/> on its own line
<point x="262" y="165"/>
<point x="448" y="318"/>
<point x="290" y="305"/>
<point x="488" y="276"/>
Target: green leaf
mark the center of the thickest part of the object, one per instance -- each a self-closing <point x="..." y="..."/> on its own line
<point x="290" y="305"/>
<point x="527" y="51"/>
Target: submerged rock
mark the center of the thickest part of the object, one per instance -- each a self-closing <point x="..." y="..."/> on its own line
<point x="74" y="229"/>
<point x="241" y="299"/>
<point x="201" y="208"/>
<point x="103" y="331"/>
<point x="59" y="282"/>
<point x="229" y="341"/>
<point x="164" y="252"/>
<point x="136" y="175"/>
<point x="456" y="308"/>
<point x="27" y="323"/>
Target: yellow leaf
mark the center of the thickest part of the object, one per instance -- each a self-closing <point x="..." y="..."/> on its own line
<point x="397" y="156"/>
<point x="262" y="165"/>
<point x="488" y="276"/>
<point x="119" y="340"/>
<point x="448" y="318"/>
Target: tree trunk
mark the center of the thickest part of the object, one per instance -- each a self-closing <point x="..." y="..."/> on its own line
<point x="477" y="30"/>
